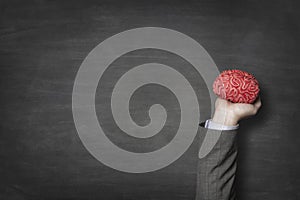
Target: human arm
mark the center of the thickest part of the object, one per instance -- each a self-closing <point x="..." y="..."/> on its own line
<point x="218" y="153"/>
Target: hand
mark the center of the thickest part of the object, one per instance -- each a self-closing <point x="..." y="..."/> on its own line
<point x="230" y="114"/>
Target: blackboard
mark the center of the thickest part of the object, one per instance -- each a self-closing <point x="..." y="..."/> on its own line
<point x="43" y="44"/>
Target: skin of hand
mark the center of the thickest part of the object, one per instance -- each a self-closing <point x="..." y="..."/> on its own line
<point x="229" y="114"/>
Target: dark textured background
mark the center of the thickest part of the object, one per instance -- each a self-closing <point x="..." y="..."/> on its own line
<point x="42" y="44"/>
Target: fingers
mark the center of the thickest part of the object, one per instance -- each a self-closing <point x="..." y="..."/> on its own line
<point x="257" y="105"/>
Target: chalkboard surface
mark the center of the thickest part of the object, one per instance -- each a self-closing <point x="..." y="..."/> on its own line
<point x="43" y="44"/>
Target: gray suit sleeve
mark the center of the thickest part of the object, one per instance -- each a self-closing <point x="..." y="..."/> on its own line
<point x="216" y="170"/>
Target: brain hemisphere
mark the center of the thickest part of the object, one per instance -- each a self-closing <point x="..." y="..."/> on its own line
<point x="236" y="86"/>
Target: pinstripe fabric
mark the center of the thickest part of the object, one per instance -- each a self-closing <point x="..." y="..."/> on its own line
<point x="216" y="171"/>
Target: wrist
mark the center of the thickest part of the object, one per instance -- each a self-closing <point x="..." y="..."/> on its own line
<point x="225" y="117"/>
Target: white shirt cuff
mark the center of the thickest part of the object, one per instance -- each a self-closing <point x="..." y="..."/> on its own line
<point x="216" y="126"/>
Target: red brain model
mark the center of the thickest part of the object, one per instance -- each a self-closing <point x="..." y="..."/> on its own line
<point x="236" y="86"/>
